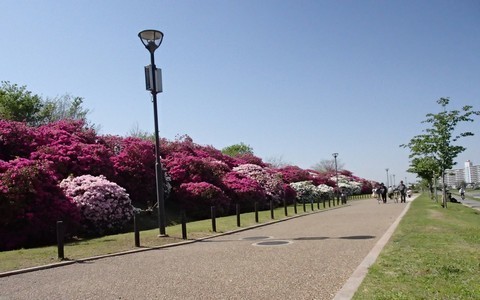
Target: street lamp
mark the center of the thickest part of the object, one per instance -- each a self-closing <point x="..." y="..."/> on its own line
<point x="393" y="179"/>
<point x="387" y="175"/>
<point x="336" y="175"/>
<point x="152" y="39"/>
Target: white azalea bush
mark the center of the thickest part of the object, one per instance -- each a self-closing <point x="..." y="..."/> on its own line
<point x="347" y="184"/>
<point x="326" y="191"/>
<point x="308" y="192"/>
<point x="104" y="205"/>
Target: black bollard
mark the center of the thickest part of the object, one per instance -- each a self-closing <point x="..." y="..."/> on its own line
<point x="304" y="207"/>
<point x="256" y="211"/>
<point x="271" y="209"/>
<point x="135" y="231"/>
<point x="285" y="206"/>
<point x="238" y="214"/>
<point x="318" y="203"/>
<point x="295" y="205"/>
<point x="214" y="222"/>
<point x="60" y="239"/>
<point x="323" y="201"/>
<point x="311" y="205"/>
<point x="184" y="225"/>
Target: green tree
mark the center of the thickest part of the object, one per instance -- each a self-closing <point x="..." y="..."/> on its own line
<point x="63" y="107"/>
<point x="18" y="104"/>
<point x="427" y="169"/>
<point x="437" y="141"/>
<point x="237" y="150"/>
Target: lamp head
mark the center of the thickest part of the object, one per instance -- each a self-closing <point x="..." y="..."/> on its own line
<point x="151" y="39"/>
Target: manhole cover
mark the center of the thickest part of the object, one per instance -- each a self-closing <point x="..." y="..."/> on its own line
<point x="254" y="238"/>
<point x="272" y="243"/>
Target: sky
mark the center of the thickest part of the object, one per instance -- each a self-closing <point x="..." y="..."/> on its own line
<point x="294" y="80"/>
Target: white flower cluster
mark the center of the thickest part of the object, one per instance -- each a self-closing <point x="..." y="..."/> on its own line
<point x="345" y="183"/>
<point x="307" y="191"/>
<point x="105" y="205"/>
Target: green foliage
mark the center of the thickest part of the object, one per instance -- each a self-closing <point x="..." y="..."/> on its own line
<point x="434" y="151"/>
<point x="18" y="104"/>
<point x="238" y="150"/>
<point x="61" y="108"/>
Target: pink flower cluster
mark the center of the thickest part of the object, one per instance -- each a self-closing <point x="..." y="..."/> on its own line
<point x="105" y="206"/>
<point x="33" y="161"/>
<point x="30" y="204"/>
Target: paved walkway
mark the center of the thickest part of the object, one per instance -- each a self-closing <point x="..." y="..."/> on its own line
<point x="308" y="257"/>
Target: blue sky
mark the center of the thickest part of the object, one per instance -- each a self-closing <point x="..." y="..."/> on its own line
<point x="295" y="80"/>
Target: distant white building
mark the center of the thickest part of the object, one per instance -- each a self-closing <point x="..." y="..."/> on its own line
<point x="469" y="174"/>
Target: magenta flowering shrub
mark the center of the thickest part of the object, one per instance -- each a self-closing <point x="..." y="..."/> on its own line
<point x="30" y="204"/>
<point x="184" y="167"/>
<point x="105" y="206"/>
<point x="76" y="159"/>
<point x="293" y="174"/>
<point x="16" y="140"/>
<point x="243" y="190"/>
<point x="250" y="159"/>
<point x="321" y="178"/>
<point x="290" y="193"/>
<point x="134" y="167"/>
<point x="270" y="180"/>
<point x="196" y="198"/>
<point x="65" y="132"/>
<point x="72" y="149"/>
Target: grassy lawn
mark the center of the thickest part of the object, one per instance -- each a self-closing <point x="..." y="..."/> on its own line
<point x="25" y="258"/>
<point x="433" y="254"/>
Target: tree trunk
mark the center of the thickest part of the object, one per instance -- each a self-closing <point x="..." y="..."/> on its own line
<point x="444" y="190"/>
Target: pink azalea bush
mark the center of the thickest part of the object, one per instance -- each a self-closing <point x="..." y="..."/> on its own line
<point x="243" y="190"/>
<point x="105" y="206"/>
<point x="294" y="174"/>
<point x="196" y="198"/>
<point x="270" y="180"/>
<point x="34" y="160"/>
<point x="30" y="205"/>
<point x="134" y="168"/>
<point x="16" y="140"/>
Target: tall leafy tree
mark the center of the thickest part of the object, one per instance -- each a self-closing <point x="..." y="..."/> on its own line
<point x="61" y="108"/>
<point x="437" y="142"/>
<point x="427" y="169"/>
<point x="238" y="150"/>
<point x="18" y="104"/>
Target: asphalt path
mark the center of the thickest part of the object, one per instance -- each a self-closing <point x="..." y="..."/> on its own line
<point x="305" y="257"/>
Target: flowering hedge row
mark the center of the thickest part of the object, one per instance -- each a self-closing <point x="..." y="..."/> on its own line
<point x="66" y="171"/>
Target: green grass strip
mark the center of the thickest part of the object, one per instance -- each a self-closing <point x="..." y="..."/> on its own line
<point x="433" y="254"/>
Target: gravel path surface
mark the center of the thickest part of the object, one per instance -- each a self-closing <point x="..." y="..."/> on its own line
<point x="320" y="252"/>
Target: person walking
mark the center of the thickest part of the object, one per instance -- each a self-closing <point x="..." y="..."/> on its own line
<point x="383" y="192"/>
<point x="461" y="191"/>
<point x="403" y="192"/>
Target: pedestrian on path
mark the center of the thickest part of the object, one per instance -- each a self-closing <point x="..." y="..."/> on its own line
<point x="403" y="192"/>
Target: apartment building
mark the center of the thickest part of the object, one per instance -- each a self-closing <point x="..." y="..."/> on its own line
<point x="469" y="174"/>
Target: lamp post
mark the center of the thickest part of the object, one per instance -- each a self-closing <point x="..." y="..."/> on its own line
<point x="387" y="175"/>
<point x="152" y="39"/>
<point x="393" y="179"/>
<point x="336" y="176"/>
